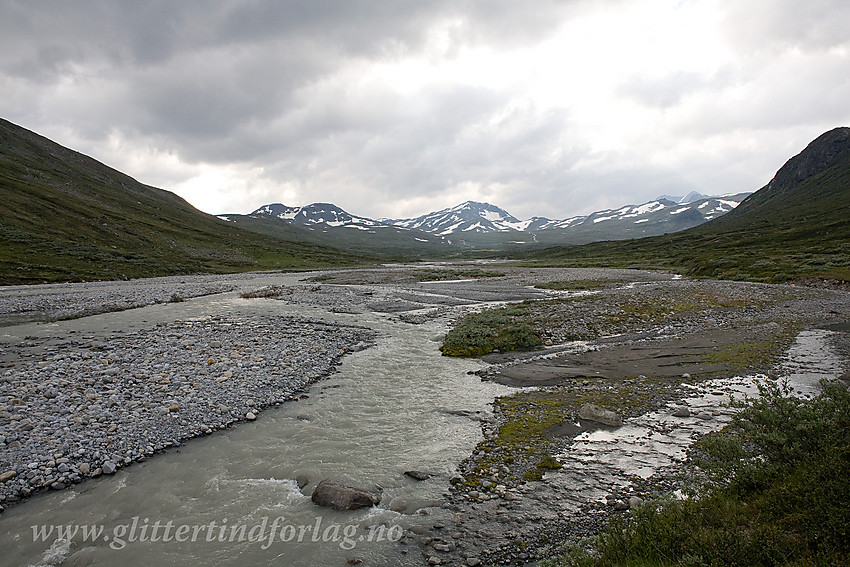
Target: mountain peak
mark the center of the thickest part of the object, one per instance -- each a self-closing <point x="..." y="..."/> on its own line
<point x="469" y="216"/>
<point x="693" y="196"/>
<point x="819" y="155"/>
<point x="802" y="186"/>
<point x="313" y="214"/>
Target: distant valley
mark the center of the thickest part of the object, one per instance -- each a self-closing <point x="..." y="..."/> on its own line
<point x="68" y="217"/>
<point x="473" y="225"/>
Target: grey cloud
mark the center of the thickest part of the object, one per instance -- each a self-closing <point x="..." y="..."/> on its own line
<point x="275" y="85"/>
<point x="778" y="25"/>
<point x="663" y="91"/>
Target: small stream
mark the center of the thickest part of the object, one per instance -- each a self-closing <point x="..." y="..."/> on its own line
<point x="604" y="458"/>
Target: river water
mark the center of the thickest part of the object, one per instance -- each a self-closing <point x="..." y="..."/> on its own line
<point x="232" y="497"/>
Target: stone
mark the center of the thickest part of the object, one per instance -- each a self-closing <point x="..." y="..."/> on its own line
<point x="85" y="468"/>
<point x="592" y="412"/>
<point x="109" y="467"/>
<point x="635" y="501"/>
<point x="682" y="412"/>
<point x="473" y="562"/>
<point x="399" y="505"/>
<point x="250" y="416"/>
<point x="340" y="496"/>
<point x="8" y="475"/>
<point x="418" y="475"/>
<point x="58" y="486"/>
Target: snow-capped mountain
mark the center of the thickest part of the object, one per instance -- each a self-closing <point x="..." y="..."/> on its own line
<point x="473" y="217"/>
<point x="689" y="198"/>
<point x="330" y="225"/>
<point x="470" y="216"/>
<point x="324" y="214"/>
<point x="474" y="224"/>
<point x="702" y="210"/>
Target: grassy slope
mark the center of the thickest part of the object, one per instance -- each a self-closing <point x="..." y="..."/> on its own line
<point x="799" y="228"/>
<point x="388" y="243"/>
<point x="65" y="216"/>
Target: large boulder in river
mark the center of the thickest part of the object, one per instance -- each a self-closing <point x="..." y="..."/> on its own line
<point x="592" y="412"/>
<point x="341" y="496"/>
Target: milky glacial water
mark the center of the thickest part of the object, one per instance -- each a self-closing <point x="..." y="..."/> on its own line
<point x="394" y="407"/>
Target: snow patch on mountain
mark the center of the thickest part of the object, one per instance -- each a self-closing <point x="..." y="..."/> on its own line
<point x="473" y="217"/>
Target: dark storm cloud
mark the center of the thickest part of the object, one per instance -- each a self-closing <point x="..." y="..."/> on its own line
<point x="358" y="100"/>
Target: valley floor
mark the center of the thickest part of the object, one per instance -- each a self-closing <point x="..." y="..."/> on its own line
<point x="662" y="353"/>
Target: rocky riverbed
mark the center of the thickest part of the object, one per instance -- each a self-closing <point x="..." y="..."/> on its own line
<point x="661" y="352"/>
<point x="91" y="405"/>
<point x="20" y="304"/>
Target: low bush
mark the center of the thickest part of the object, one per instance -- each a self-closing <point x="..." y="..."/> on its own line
<point x="492" y="329"/>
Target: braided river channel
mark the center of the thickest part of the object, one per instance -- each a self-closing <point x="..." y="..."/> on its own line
<point x="232" y="497"/>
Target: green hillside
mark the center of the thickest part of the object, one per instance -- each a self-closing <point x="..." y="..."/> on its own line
<point x="387" y="243"/>
<point x="797" y="226"/>
<point x="67" y="217"/>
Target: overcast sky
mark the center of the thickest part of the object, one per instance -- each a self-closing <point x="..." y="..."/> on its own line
<point x="394" y="108"/>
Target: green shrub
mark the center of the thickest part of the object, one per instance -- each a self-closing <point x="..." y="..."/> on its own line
<point x="492" y="329"/>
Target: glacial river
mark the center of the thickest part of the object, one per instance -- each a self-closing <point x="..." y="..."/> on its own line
<point x="231" y="498"/>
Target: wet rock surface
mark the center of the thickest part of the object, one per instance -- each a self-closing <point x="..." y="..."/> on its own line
<point x="341" y="496"/>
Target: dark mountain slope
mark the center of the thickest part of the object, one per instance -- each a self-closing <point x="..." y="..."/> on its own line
<point x="796" y="226"/>
<point x="65" y="216"/>
<point x="805" y="188"/>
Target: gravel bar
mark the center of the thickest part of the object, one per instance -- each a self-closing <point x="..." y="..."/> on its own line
<point x="99" y="405"/>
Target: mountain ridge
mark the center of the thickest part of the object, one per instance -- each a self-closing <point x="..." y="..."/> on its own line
<point x="474" y="217"/>
<point x="68" y="217"/>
